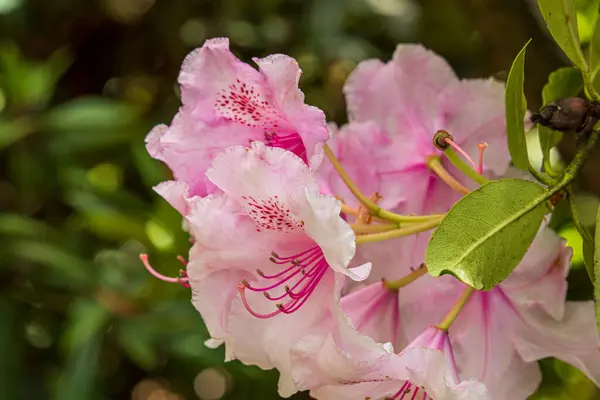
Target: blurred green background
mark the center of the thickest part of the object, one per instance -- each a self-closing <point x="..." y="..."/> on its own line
<point x="83" y="81"/>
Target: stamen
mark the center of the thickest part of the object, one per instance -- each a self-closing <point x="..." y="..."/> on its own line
<point x="407" y="389"/>
<point x="182" y="279"/>
<point x="182" y="260"/>
<point x="242" y="290"/>
<point x="481" y="147"/>
<point x="460" y="151"/>
<point x="306" y="268"/>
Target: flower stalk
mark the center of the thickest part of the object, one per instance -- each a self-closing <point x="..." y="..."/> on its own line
<point x="405" y="280"/>
<point x="371" y="206"/>
<point x="453" y="314"/>
<point x="396" y="233"/>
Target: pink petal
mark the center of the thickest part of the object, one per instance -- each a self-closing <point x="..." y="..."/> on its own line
<point x="176" y="193"/>
<point x="541" y="275"/>
<point x="282" y="74"/>
<point x="573" y="340"/>
<point x="483" y="345"/>
<point x="322" y="223"/>
<point x="262" y="172"/>
<point x="374" y="312"/>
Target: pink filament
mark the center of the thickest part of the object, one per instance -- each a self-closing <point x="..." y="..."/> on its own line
<point x="181" y="280"/>
<point x="310" y="264"/>
<point x="408" y="388"/>
<point x="463" y="153"/>
<point x="481" y="147"/>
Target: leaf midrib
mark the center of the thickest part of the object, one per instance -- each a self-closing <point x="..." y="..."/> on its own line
<point x="530" y="206"/>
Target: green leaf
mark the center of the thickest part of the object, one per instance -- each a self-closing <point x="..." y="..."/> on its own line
<point x="486" y="234"/>
<point x="561" y="19"/>
<point x="516" y="106"/>
<point x="594" y="52"/>
<point x="564" y="82"/>
<point x="597" y="270"/>
<point x="586" y="237"/>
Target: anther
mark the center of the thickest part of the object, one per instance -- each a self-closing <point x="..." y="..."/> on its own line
<point x="245" y="283"/>
<point x="258" y="271"/>
<point x="273" y="254"/>
<point x="182" y="260"/>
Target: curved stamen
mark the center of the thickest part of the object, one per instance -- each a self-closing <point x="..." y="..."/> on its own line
<point x="312" y="266"/>
<point x="182" y="280"/>
<point x="242" y="290"/>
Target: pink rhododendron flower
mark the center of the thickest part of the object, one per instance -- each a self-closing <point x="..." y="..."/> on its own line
<point x="500" y="334"/>
<point x="226" y="102"/>
<point x="269" y="257"/>
<point x="346" y="365"/>
<point x="395" y="109"/>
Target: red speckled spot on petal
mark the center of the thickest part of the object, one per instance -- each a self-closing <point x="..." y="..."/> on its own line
<point x="245" y="104"/>
<point x="271" y="214"/>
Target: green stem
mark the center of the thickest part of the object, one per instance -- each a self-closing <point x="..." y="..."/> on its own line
<point x="369" y="205"/>
<point x="460" y="303"/>
<point x="396" y="233"/>
<point x="406" y="280"/>
<point x="545" y="179"/>
<point x="465" y="168"/>
<point x="577" y="163"/>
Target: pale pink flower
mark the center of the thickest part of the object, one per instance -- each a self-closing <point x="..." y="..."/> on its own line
<point x="270" y="255"/>
<point x="344" y="364"/>
<point x="227" y="102"/>
<point x="395" y="109"/>
<point x="500" y="334"/>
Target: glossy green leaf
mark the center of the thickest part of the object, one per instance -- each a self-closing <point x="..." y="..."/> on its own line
<point x="597" y="270"/>
<point x="486" y="234"/>
<point x="561" y="19"/>
<point x="594" y="53"/>
<point x="516" y="106"/>
<point x="564" y="82"/>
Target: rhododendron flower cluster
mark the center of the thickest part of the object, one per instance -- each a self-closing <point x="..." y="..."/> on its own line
<point x="316" y="267"/>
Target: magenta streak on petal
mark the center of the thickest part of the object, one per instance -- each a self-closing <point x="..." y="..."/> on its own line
<point x="371" y="309"/>
<point x="411" y="168"/>
<point x="312" y="266"/>
<point x="291" y="142"/>
<point x="400" y="392"/>
<point x="485" y="318"/>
